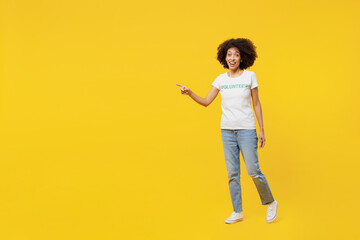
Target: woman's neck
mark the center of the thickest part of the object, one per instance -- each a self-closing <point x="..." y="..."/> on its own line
<point x="235" y="72"/>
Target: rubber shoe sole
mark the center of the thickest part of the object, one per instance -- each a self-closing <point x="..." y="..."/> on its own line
<point x="233" y="221"/>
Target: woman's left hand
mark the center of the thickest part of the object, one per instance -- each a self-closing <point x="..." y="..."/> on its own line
<point x="262" y="139"/>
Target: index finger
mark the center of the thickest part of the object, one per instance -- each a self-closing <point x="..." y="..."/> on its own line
<point x="179" y="85"/>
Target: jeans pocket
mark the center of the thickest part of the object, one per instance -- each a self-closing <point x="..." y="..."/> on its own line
<point x="249" y="133"/>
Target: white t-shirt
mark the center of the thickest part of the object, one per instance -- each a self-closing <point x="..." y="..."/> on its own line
<point x="236" y="100"/>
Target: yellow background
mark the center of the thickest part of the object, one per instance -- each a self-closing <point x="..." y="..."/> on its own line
<point x="98" y="143"/>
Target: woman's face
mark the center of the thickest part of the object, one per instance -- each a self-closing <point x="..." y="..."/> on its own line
<point x="233" y="58"/>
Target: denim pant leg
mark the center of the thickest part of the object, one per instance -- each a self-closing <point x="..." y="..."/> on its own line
<point x="247" y="140"/>
<point x="232" y="160"/>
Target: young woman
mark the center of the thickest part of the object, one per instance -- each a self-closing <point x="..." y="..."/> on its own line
<point x="238" y="129"/>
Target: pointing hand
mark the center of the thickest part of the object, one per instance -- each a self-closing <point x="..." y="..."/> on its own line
<point x="184" y="90"/>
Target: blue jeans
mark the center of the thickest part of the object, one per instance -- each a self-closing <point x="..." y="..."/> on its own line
<point x="244" y="141"/>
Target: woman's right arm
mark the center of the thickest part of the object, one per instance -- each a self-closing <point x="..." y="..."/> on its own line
<point x="202" y="101"/>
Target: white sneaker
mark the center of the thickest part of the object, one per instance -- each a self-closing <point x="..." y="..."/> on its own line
<point x="272" y="211"/>
<point x="235" y="217"/>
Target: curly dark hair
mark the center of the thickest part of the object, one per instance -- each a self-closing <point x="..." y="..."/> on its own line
<point x="245" y="46"/>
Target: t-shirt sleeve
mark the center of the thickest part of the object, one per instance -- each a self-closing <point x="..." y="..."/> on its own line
<point x="216" y="83"/>
<point x="254" y="83"/>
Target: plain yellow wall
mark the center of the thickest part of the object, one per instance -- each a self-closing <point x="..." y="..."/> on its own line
<point x="98" y="143"/>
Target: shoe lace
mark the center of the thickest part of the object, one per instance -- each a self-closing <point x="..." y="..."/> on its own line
<point x="270" y="209"/>
<point x="233" y="214"/>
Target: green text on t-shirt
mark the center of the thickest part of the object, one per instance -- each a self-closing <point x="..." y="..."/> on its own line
<point x="234" y="86"/>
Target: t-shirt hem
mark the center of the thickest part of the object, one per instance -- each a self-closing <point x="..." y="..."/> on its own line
<point x="254" y="86"/>
<point x="215" y="86"/>
<point x="231" y="128"/>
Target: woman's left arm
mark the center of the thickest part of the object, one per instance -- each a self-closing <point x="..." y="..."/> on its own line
<point x="258" y="112"/>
